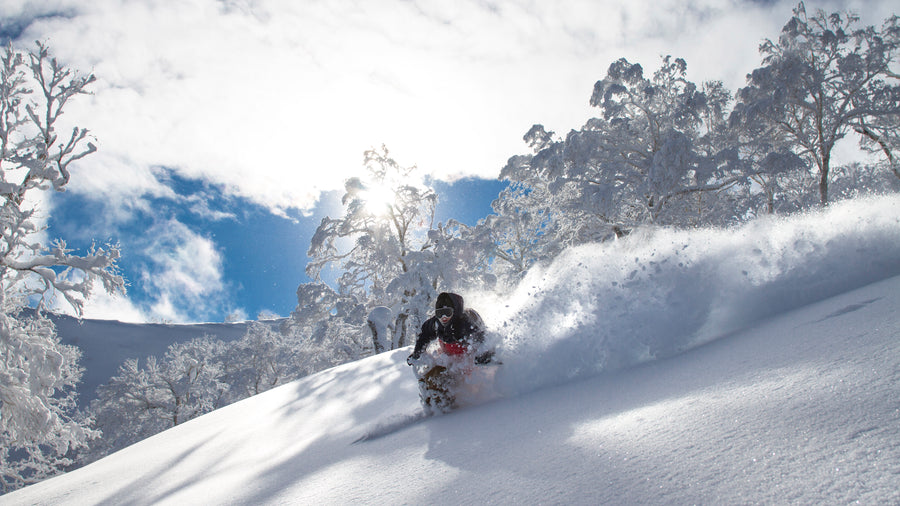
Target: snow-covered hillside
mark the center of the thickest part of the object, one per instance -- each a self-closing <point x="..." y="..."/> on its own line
<point x="801" y="408"/>
<point x="754" y="365"/>
<point x="106" y="345"/>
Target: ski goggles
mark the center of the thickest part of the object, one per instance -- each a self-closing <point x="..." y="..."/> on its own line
<point x="444" y="312"/>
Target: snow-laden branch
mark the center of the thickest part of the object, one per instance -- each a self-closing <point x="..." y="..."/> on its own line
<point x="37" y="372"/>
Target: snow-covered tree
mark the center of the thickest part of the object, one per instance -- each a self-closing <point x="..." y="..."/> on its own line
<point x="34" y="88"/>
<point x="825" y="78"/>
<point x="141" y="401"/>
<point x="640" y="162"/>
<point x="37" y="414"/>
<point x="539" y="191"/>
<point x="332" y="322"/>
<point x="37" y="387"/>
<point x="771" y="164"/>
<point x="387" y="215"/>
<point x="380" y="322"/>
<point x="263" y="359"/>
<point x="462" y="256"/>
<point x="855" y="179"/>
<point x="520" y="231"/>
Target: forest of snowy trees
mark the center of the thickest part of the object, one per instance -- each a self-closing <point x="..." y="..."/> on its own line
<point x="662" y="151"/>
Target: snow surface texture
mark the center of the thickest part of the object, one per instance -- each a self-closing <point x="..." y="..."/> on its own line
<point x="798" y="407"/>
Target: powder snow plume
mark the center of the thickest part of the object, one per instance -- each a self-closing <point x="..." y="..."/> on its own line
<point x="656" y="293"/>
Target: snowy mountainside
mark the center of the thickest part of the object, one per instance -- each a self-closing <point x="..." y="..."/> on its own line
<point x="106" y="344"/>
<point x="798" y="408"/>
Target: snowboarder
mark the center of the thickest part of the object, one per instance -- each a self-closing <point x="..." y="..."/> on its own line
<point x="459" y="333"/>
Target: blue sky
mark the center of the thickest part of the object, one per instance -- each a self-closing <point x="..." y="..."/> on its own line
<point x="261" y="255"/>
<point x="226" y="128"/>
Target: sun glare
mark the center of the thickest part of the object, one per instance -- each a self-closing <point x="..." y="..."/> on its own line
<point x="378" y="199"/>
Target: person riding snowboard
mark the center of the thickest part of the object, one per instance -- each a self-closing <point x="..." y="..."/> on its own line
<point x="460" y="335"/>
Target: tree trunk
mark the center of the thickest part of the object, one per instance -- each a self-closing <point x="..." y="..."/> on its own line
<point x="400" y="330"/>
<point x="823" y="182"/>
<point x="376" y="339"/>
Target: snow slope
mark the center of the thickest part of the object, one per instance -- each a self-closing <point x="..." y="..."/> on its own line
<point x="723" y="372"/>
<point x="800" y="408"/>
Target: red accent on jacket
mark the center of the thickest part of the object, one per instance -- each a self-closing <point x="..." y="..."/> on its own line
<point x="458" y="348"/>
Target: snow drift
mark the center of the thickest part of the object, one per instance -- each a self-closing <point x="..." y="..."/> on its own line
<point x="657" y="293"/>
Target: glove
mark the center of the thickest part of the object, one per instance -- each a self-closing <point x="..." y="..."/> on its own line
<point x="485" y="358"/>
<point x="412" y="359"/>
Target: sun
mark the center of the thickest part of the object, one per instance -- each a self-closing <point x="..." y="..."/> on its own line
<point x="378" y="199"/>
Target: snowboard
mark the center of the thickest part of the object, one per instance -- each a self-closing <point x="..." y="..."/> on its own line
<point x="451" y="385"/>
<point x="447" y="383"/>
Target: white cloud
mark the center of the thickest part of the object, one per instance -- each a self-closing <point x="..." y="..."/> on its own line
<point x="183" y="276"/>
<point x="181" y="279"/>
<point x="102" y="306"/>
<point x="120" y="183"/>
<point x="276" y="101"/>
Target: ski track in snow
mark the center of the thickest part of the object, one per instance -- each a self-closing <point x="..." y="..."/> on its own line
<point x="390" y="426"/>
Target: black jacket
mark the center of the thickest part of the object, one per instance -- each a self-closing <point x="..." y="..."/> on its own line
<point x="466" y="327"/>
